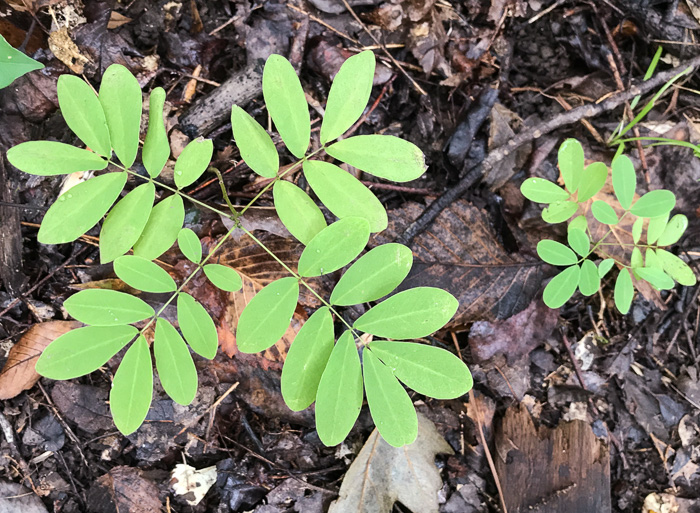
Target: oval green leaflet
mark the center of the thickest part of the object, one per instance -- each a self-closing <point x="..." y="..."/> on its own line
<point x="340" y="392"/>
<point x="555" y="253"/>
<point x="605" y="266"/>
<point x="571" y="162"/>
<point x="80" y="208"/>
<point x="348" y="96"/>
<point x="578" y="223"/>
<point x="50" y="158"/>
<point x="428" y="370"/>
<point x="334" y="247"/>
<point x="656" y="277"/>
<point x="120" y="96"/>
<point x="374" y="275"/>
<point x="83" y="350"/>
<point x="636" y="259"/>
<point x="142" y="274"/>
<point x="197" y="326"/>
<point x="560" y="288"/>
<point x="543" y="191"/>
<point x="676" y="268"/>
<point x="307" y="359"/>
<point x="603" y="212"/>
<point x="132" y="388"/>
<point x="176" y="369"/>
<point x="266" y="318"/>
<point x="656" y="227"/>
<point x="384" y="156"/>
<point x="673" y="231"/>
<point x="579" y="241"/>
<point x="654" y="204"/>
<point x="559" y="212"/>
<point x="637" y="228"/>
<point x="223" y="277"/>
<point x="254" y="143"/>
<point x="161" y="230"/>
<point x="193" y="162"/>
<point x="297" y="211"/>
<point x="83" y="113"/>
<point x="102" y="307"/>
<point x="390" y="406"/>
<point x="624" y="179"/>
<point x="156" y="149"/>
<point x="592" y="181"/>
<point x="589" y="281"/>
<point x="286" y="103"/>
<point x="14" y="64"/>
<point x="652" y="260"/>
<point x="345" y="195"/>
<point x="624" y="291"/>
<point x="190" y="245"/>
<point x="413" y="313"/>
<point x="125" y="222"/>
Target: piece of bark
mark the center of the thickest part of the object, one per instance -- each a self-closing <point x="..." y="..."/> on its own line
<point x="10" y="238"/>
<point x="551" y="470"/>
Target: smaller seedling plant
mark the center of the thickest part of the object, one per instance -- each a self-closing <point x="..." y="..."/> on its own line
<point x="652" y="230"/>
<point x="374" y="356"/>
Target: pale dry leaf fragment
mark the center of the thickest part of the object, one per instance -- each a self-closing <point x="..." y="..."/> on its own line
<point x="192" y="483"/>
<point x="67" y="51"/>
<point x="117" y="20"/>
<point x="18" y="373"/>
<point x="382" y="474"/>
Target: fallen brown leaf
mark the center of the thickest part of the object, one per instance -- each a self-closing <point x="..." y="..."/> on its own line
<point x="124" y="489"/>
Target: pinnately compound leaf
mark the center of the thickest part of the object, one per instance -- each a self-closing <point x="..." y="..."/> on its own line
<point x="120" y="96"/>
<point x="334" y="247"/>
<point x="559" y="211"/>
<point x="592" y="181"/>
<point x="656" y="277"/>
<point x="384" y="156"/>
<point x="540" y="190"/>
<point x="673" y="231"/>
<point x="624" y="290"/>
<point x="624" y="179"/>
<point x="579" y="241"/>
<point x="193" y="162"/>
<point x="103" y="307"/>
<point x="390" y="406"/>
<point x="589" y="282"/>
<point x="14" y="64"/>
<point x="571" y="162"/>
<point x="156" y="149"/>
<point x="142" y="274"/>
<point x="223" y="277"/>
<point x="176" y="369"/>
<point x="307" y="359"/>
<point x="413" y="313"/>
<point x="560" y="288"/>
<point x="345" y="195"/>
<point x="555" y="253"/>
<point x="265" y="319"/>
<point x="348" y="96"/>
<point x="374" y="275"/>
<point x="297" y="211"/>
<point x="197" y="326"/>
<point x="50" y="158"/>
<point x="254" y="143"/>
<point x="428" y="370"/>
<point x="605" y="266"/>
<point x="190" y="245"/>
<point x="656" y="227"/>
<point x="125" y="222"/>
<point x="286" y="103"/>
<point x="339" y="397"/>
<point x="676" y="268"/>
<point x="83" y="113"/>
<point x="80" y="208"/>
<point x="83" y="350"/>
<point x="163" y="226"/>
<point x="603" y="212"/>
<point x="637" y="228"/>
<point x="132" y="388"/>
<point x="654" y="204"/>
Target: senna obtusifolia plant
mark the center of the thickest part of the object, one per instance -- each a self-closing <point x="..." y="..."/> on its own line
<point x="335" y="374"/>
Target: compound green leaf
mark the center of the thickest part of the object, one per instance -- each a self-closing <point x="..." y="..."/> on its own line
<point x="80" y="208"/>
<point x="652" y="260"/>
<point x="555" y="253"/>
<point x="589" y="282"/>
<point x="348" y="96"/>
<point x="120" y="96"/>
<point x="297" y="211"/>
<point x="673" y="231"/>
<point x="286" y="103"/>
<point x="543" y="191"/>
<point x="254" y="143"/>
<point x="50" y="158"/>
<point x="104" y="307"/>
<point x="676" y="268"/>
<point x="384" y="156"/>
<point x="193" y="162"/>
<point x="344" y="195"/>
<point x="571" y="162"/>
<point x="578" y="223"/>
<point x="339" y="396"/>
<point x="636" y="259"/>
<point x="334" y="247"/>
<point x="624" y="291"/>
<point x="604" y="213"/>
<point x="190" y="245"/>
<point x="560" y="288"/>
<point x="265" y="319"/>
<point x="374" y="275"/>
<point x="14" y="64"/>
<point x="390" y="406"/>
<point x="223" y="277"/>
<point x="307" y="359"/>
<point x="624" y="179"/>
<point x="132" y="388"/>
<point x="197" y="326"/>
<point x="579" y="241"/>
<point x="656" y="277"/>
<point x="559" y="212"/>
<point x="162" y="228"/>
<point x="156" y="149"/>
<point x="605" y="266"/>
<point x="83" y="350"/>
<point x="592" y="181"/>
<point x="83" y="113"/>
<point x="637" y="228"/>
<point x="176" y="369"/>
<point x="413" y="313"/>
<point x="125" y="222"/>
<point x="656" y="227"/>
<point x="428" y="370"/>
<point x="142" y="274"/>
<point x="654" y="204"/>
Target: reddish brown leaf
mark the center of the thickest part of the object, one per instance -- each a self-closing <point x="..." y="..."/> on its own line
<point x="124" y="489"/>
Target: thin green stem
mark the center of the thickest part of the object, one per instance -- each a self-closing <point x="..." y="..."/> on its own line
<point x="225" y="194"/>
